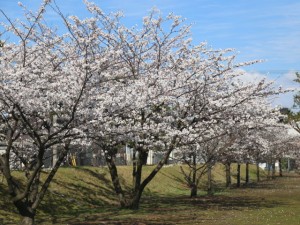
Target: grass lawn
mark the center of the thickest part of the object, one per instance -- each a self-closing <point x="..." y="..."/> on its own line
<point x="84" y="195"/>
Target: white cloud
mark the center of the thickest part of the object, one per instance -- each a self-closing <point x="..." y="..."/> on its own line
<point x="284" y="79"/>
<point x="253" y="76"/>
<point x="287" y="81"/>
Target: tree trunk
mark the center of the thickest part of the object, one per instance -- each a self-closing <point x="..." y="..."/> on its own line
<point x="26" y="212"/>
<point x="137" y="195"/>
<point x="135" y="201"/>
<point x="247" y="173"/>
<point x="134" y="165"/>
<point x="269" y="171"/>
<point x="273" y="170"/>
<point x="48" y="180"/>
<point x="138" y="186"/>
<point x="27" y="200"/>
<point x="27" y="221"/>
<point x="209" y="180"/>
<point x="141" y="159"/>
<point x="257" y="172"/>
<point x="194" y="177"/>
<point x="238" y="177"/>
<point x="280" y="167"/>
<point x="228" y="174"/>
<point x="194" y="191"/>
<point x="115" y="180"/>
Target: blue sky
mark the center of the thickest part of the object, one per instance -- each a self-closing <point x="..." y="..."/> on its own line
<point x="257" y="29"/>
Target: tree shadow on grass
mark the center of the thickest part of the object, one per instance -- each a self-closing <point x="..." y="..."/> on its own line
<point x="83" y="196"/>
<point x="157" y="209"/>
<point x="209" y="202"/>
<point x="95" y="203"/>
<point x="100" y="176"/>
<point x="176" y="210"/>
<point x="177" y="180"/>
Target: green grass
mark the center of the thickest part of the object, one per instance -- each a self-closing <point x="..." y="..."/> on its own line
<point x="84" y="195"/>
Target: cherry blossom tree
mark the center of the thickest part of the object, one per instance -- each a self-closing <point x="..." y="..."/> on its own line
<point x="141" y="111"/>
<point x="265" y="140"/>
<point x="175" y="95"/>
<point x="241" y="105"/>
<point x="46" y="83"/>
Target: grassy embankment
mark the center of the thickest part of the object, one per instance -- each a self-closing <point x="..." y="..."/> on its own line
<point x="84" y="195"/>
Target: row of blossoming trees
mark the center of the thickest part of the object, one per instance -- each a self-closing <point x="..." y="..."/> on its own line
<point x="104" y="83"/>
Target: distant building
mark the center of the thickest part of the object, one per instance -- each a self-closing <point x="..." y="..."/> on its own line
<point x="2" y="148"/>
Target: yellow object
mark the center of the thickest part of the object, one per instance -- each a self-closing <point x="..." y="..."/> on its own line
<point x="73" y="160"/>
